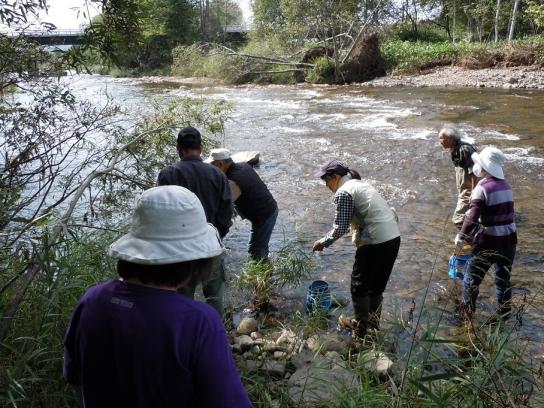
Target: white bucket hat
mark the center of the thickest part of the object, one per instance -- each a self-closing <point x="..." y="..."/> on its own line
<point x="218" y="154"/>
<point x="168" y="226"/>
<point x="490" y="159"/>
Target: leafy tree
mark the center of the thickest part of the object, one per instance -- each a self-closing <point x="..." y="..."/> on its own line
<point x="535" y="13"/>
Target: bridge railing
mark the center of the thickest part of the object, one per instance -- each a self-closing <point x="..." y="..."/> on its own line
<point x="242" y="28"/>
<point x="44" y="33"/>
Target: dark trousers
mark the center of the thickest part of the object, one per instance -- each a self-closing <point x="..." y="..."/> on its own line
<point x="372" y="268"/>
<point x="482" y="259"/>
<point x="260" y="237"/>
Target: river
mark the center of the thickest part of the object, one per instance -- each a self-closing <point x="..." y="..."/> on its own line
<point x="390" y="136"/>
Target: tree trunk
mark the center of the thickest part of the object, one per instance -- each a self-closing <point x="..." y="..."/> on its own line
<point x="414" y="20"/>
<point x="454" y="18"/>
<point x="470" y="28"/>
<point x="513" y="20"/>
<point x="497" y="12"/>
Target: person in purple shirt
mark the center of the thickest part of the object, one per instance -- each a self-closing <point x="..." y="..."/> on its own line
<point x="136" y="342"/>
<point x="490" y="226"/>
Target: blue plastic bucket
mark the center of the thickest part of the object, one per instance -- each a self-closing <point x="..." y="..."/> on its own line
<point x="457" y="265"/>
<point x="318" y="296"/>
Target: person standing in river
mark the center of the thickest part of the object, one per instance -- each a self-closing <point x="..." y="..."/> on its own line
<point x="461" y="150"/>
<point x="212" y="188"/>
<point x="376" y="234"/>
<point x="135" y="342"/>
<point x="252" y="200"/>
<point x="490" y="227"/>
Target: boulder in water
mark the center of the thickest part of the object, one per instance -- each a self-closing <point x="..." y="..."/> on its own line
<point x="249" y="157"/>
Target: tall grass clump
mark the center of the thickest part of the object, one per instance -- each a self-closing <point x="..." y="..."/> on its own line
<point x="412" y="57"/>
<point x="322" y="72"/>
<point x="31" y="357"/>
<point x="263" y="278"/>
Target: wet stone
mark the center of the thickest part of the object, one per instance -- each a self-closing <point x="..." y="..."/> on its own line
<point x="377" y="361"/>
<point x="320" y="381"/>
<point x="247" y="325"/>
<point x="245" y="342"/>
<point x="256" y="335"/>
<point x="327" y="342"/>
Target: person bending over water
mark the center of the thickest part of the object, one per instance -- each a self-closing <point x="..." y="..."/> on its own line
<point x="375" y="233"/>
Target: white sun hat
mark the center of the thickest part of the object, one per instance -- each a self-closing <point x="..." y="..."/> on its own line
<point x="490" y="159"/>
<point x="168" y="226"/>
<point x="218" y="154"/>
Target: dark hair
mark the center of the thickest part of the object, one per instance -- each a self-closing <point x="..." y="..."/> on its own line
<point x="166" y="275"/>
<point x="189" y="138"/>
<point x="354" y="174"/>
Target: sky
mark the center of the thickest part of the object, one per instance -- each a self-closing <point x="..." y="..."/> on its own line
<point x="68" y="14"/>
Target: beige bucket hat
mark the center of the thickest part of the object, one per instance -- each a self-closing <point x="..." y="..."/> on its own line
<point x="168" y="226"/>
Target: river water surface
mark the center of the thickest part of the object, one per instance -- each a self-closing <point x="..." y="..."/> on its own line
<point x="390" y="136"/>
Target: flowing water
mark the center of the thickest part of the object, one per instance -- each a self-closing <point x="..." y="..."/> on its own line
<point x="390" y="136"/>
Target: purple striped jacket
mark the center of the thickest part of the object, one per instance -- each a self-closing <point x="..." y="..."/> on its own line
<point x="491" y="206"/>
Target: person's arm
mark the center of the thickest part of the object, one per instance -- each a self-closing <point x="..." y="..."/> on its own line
<point x="162" y="178"/>
<point x="215" y="377"/>
<point x="465" y="157"/>
<point x="235" y="191"/>
<point x="342" y="220"/>
<point x="472" y="216"/>
<point x="71" y="369"/>
<point x="473" y="181"/>
<point x="223" y="217"/>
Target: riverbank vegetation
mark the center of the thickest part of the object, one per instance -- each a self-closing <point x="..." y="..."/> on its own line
<point x="314" y="40"/>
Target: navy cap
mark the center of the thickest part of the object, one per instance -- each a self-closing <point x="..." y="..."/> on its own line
<point x="333" y="166"/>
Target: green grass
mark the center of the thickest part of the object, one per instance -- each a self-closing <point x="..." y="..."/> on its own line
<point x="31" y="357"/>
<point x="411" y="57"/>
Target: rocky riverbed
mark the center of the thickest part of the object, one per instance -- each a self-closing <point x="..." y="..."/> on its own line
<point x="527" y="77"/>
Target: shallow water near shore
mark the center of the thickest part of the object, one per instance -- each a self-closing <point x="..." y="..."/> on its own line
<point x="390" y="136"/>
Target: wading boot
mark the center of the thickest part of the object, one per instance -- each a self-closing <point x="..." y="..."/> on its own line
<point x="375" y="312"/>
<point x="361" y="307"/>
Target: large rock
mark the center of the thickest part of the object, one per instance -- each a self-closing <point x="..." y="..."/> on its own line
<point x="319" y="381"/>
<point x="287" y="337"/>
<point x="247" y="325"/>
<point x="377" y="361"/>
<point x="249" y="157"/>
<point x="244" y="342"/>
<point x="273" y="368"/>
<point x="327" y="342"/>
<point x="365" y="61"/>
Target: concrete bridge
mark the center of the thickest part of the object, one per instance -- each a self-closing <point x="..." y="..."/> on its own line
<point x="51" y="38"/>
<point x="237" y="32"/>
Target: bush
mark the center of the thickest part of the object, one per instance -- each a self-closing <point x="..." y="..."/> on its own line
<point x="426" y="32"/>
<point x="323" y="72"/>
<point x="215" y="61"/>
<point x="412" y="57"/>
<point x="31" y="358"/>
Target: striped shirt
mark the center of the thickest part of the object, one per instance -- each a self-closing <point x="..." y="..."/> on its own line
<point x="492" y="206"/>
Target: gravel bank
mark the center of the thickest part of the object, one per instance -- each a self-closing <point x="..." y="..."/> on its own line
<point x="528" y="77"/>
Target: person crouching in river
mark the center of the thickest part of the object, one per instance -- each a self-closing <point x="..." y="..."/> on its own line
<point x="375" y="233"/>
